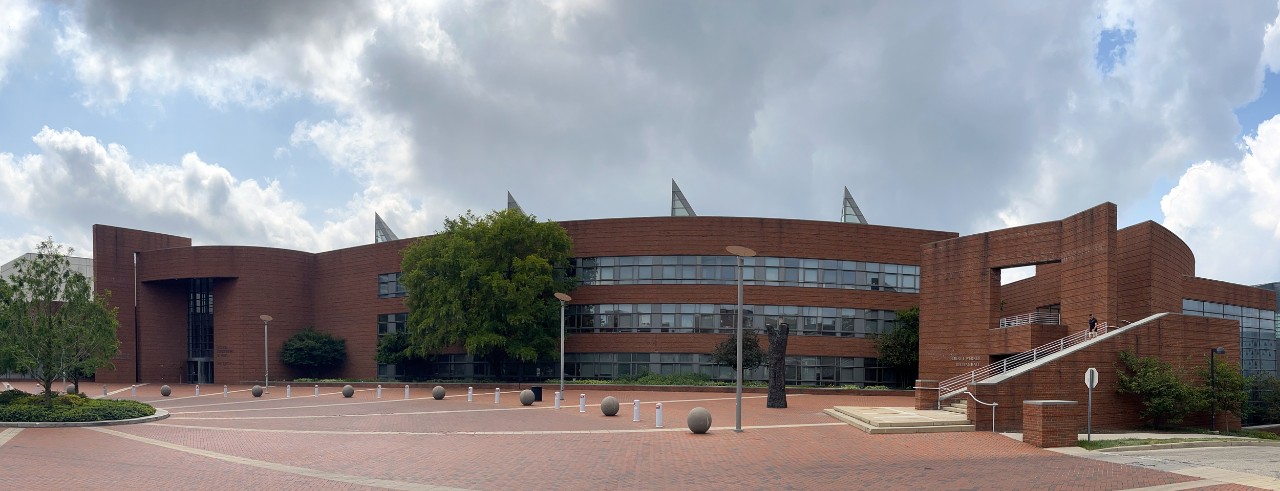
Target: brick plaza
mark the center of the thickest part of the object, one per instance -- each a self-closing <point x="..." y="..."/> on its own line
<point x="329" y="442"/>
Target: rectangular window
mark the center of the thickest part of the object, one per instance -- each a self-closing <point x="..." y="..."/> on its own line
<point x="392" y="323"/>
<point x="389" y="286"/>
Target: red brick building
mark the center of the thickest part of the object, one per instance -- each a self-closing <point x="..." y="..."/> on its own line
<point x="657" y="294"/>
<point x="1138" y="282"/>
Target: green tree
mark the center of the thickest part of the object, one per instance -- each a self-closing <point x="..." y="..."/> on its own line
<point x="486" y="284"/>
<point x="393" y="348"/>
<point x="1264" y="405"/>
<point x="1166" y="398"/>
<point x="95" y="342"/>
<point x="53" y="323"/>
<point x="313" y="352"/>
<point x="900" y="347"/>
<point x="1230" y="388"/>
<point x="726" y="353"/>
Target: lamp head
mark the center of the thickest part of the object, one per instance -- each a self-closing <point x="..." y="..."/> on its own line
<point x="563" y="297"/>
<point x="1219" y="350"/>
<point x="265" y="318"/>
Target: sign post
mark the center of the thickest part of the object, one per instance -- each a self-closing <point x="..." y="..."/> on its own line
<point x="1091" y="381"/>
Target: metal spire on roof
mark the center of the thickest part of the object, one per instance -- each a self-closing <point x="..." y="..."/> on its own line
<point x="680" y="206"/>
<point x="511" y="203"/>
<point x="381" y="232"/>
<point x="850" y="212"/>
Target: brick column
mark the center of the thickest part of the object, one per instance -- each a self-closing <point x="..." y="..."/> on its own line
<point x="926" y="394"/>
<point x="1048" y="424"/>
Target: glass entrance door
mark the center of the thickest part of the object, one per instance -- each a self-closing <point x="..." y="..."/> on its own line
<point x="200" y="371"/>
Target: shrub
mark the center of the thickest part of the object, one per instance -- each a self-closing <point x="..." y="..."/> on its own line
<point x="31" y="408"/>
<point x="313" y="352"/>
<point x="1165" y="397"/>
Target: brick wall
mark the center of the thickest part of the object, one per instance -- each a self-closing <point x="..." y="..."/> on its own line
<point x="960" y="292"/>
<point x="1226" y="293"/>
<point x="1050" y="424"/>
<point x="113" y="272"/>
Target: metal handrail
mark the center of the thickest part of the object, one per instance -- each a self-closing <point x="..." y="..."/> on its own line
<point x="993" y="409"/>
<point x="1031" y="318"/>
<point x="954" y="385"/>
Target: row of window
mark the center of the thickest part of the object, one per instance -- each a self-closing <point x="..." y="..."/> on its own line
<point x="768" y="271"/>
<point x="1257" y="332"/>
<point x="716" y="318"/>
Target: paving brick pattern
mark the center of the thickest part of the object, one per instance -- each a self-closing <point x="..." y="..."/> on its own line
<point x="482" y="445"/>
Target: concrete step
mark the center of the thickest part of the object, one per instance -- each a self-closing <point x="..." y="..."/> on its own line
<point x="957" y="410"/>
<point x="900" y="420"/>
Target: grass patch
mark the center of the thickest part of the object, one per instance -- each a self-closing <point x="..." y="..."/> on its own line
<point x="19" y="406"/>
<point x="1130" y="442"/>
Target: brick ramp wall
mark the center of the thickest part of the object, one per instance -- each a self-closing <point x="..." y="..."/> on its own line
<point x="1181" y="340"/>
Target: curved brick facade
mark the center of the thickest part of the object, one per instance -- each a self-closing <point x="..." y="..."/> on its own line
<point x="337" y="291"/>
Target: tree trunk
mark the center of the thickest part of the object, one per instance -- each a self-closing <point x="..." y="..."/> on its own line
<point x="778" y="366"/>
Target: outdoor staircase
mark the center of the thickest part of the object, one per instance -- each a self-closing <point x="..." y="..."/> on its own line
<point x="889" y="420"/>
<point x="958" y="407"/>
<point x="1023" y="362"/>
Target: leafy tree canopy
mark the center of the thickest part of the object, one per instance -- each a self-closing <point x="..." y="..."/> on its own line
<point x="313" y="352"/>
<point x="52" y="322"/>
<point x="900" y="347"/>
<point x="487" y="284"/>
<point x="726" y="353"/>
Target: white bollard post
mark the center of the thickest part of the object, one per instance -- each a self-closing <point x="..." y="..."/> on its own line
<point x="582" y="403"/>
<point x="557" y="399"/>
<point x="133" y="391"/>
<point x="657" y="415"/>
<point x="406" y="392"/>
<point x="470" y="391"/>
<point x="288" y="391"/>
<point x="224" y="391"/>
<point x="104" y="390"/>
<point x="497" y="393"/>
<point x="317" y="390"/>
<point x="379" y="391"/>
<point x="635" y="410"/>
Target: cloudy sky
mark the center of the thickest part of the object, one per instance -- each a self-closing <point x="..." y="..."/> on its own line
<point x="289" y="123"/>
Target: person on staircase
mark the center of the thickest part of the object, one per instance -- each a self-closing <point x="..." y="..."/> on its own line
<point x="1093" y="326"/>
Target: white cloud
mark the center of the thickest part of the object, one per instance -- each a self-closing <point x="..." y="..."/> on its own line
<point x="957" y="116"/>
<point x="76" y="181"/>
<point x="1229" y="211"/>
<point x="16" y="17"/>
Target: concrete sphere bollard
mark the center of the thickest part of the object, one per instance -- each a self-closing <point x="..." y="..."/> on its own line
<point x="699" y="420"/>
<point x="526" y="397"/>
<point x="256" y="390"/>
<point x="71" y="389"/>
<point x="348" y="391"/>
<point x="165" y="390"/>
<point x="437" y="393"/>
<point x="609" y="406"/>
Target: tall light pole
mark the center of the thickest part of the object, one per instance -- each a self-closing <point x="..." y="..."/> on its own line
<point x="266" y="365"/>
<point x="741" y="252"/>
<point x="563" y="298"/>
<point x="1213" y="389"/>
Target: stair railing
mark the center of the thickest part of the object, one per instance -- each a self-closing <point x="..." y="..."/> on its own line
<point x="954" y="385"/>
<point x="993" y="409"/>
<point x="1030" y="318"/>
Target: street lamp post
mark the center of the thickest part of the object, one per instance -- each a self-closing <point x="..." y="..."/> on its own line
<point x="740" y="252"/>
<point x="266" y="365"/>
<point x="563" y="298"/>
<point x="1213" y="389"/>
